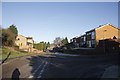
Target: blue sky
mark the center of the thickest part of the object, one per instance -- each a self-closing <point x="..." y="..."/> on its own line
<point x="59" y="0"/>
<point x="46" y="20"/>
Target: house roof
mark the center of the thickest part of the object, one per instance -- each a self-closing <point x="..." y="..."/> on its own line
<point x="21" y="35"/>
<point x="106" y="25"/>
<point x="83" y="35"/>
<point x="101" y="26"/>
<point x="25" y="37"/>
<point x="28" y="37"/>
<point x="98" y="28"/>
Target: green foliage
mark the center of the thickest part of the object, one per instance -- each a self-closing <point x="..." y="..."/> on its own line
<point x="48" y="44"/>
<point x="14" y="53"/>
<point x="36" y="46"/>
<point x="13" y="28"/>
<point x="41" y="46"/>
<point x="8" y="37"/>
<point x="44" y="46"/>
<point x="0" y="32"/>
<point x="65" y="41"/>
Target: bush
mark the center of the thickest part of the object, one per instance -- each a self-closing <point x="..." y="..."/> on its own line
<point x="8" y="37"/>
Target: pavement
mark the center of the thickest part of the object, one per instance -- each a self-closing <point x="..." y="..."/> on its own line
<point x="61" y="65"/>
<point x="111" y="72"/>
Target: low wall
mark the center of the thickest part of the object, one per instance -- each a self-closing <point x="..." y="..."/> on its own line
<point x="85" y="51"/>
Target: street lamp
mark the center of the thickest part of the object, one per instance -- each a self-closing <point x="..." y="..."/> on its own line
<point x="104" y="39"/>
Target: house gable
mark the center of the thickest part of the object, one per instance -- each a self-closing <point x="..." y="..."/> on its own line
<point x="106" y="32"/>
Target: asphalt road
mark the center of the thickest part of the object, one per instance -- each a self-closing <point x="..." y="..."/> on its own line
<point x="58" y="66"/>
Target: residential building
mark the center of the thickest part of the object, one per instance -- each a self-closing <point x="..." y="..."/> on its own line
<point x="78" y="42"/>
<point x="102" y="32"/>
<point x="24" y="43"/>
<point x="92" y="37"/>
<point x="83" y="40"/>
<point x="75" y="41"/>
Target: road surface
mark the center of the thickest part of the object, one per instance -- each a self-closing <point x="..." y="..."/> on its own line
<point x="59" y="65"/>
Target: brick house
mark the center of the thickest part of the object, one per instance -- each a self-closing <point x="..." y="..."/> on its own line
<point x="102" y="32"/>
<point x="92" y="37"/>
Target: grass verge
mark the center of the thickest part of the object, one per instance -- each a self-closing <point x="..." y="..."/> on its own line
<point x="4" y="52"/>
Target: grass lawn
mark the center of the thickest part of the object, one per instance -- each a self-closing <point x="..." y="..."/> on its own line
<point x="0" y="53"/>
<point x="5" y="51"/>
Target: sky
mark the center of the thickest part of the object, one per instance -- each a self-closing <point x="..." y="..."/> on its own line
<point x="46" y="20"/>
<point x="59" y="0"/>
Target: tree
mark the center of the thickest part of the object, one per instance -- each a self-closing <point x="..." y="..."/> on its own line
<point x="13" y="28"/>
<point x="41" y="46"/>
<point x="36" y="46"/>
<point x="65" y="41"/>
<point x="8" y="37"/>
<point x="0" y="31"/>
<point x="0" y="36"/>
<point x="58" y="41"/>
<point x="44" y="46"/>
<point x="48" y="44"/>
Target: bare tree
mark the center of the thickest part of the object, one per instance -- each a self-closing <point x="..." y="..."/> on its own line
<point x="58" y="41"/>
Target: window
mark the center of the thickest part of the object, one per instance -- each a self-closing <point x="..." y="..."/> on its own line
<point x="18" y="38"/>
<point x="89" y="37"/>
<point x="27" y="43"/>
<point x="89" y="33"/>
<point x="89" y="43"/>
<point x="84" y="38"/>
<point x="93" y="35"/>
<point x="21" y="44"/>
<point x="93" y="41"/>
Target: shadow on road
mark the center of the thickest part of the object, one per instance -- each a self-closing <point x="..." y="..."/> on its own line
<point x="16" y="74"/>
<point x="37" y="63"/>
<point x="71" y="66"/>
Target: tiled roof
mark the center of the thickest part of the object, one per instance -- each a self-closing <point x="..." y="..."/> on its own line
<point x="103" y="26"/>
<point x="106" y="25"/>
<point x="29" y="37"/>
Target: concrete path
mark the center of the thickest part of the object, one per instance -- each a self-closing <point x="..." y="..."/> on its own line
<point x="111" y="72"/>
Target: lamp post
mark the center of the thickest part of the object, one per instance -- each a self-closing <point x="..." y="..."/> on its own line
<point x="104" y="39"/>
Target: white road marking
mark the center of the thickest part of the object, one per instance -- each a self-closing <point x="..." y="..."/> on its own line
<point x="38" y="68"/>
<point x="63" y="54"/>
<point x="44" y="63"/>
<point x="30" y="76"/>
<point x="40" y="75"/>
